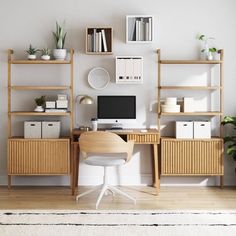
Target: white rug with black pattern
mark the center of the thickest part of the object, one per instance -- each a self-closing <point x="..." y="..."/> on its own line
<point x="106" y="223"/>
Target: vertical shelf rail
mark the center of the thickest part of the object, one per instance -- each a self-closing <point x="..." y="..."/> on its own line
<point x="10" y="52"/>
<point x="158" y="89"/>
<point x="71" y="90"/>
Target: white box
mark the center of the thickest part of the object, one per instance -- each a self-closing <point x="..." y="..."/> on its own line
<point x="61" y="96"/>
<point x="62" y="103"/>
<point x="184" y="129"/>
<point x="188" y="104"/>
<point x="172" y="101"/>
<point x="202" y="129"/>
<point x="32" y="129"/>
<point x="51" y="129"/>
<point x="51" y="104"/>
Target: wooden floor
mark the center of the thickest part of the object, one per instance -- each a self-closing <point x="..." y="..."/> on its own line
<point x="168" y="199"/>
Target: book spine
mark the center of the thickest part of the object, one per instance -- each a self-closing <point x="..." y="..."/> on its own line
<point x="104" y="41"/>
<point x="137" y="30"/>
<point x="89" y="43"/>
<point x="94" y="40"/>
<point x="150" y="29"/>
<point x="97" y="44"/>
<point x="99" y="41"/>
<point x="146" y="31"/>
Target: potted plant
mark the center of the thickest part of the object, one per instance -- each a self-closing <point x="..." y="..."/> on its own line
<point x="230" y="139"/>
<point x="32" y="52"/>
<point x="45" y="54"/>
<point x="40" y="101"/>
<point x="208" y="51"/>
<point x="59" y="36"/>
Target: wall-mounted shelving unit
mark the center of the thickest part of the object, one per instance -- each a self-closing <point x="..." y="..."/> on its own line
<point x="192" y="157"/>
<point x="99" y="40"/>
<point x="38" y="156"/>
<point x="129" y="70"/>
<point x="139" y="28"/>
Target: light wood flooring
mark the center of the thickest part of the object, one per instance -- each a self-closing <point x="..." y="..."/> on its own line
<point x="168" y="199"/>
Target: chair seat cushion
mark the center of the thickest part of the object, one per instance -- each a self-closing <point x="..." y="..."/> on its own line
<point x="105" y="160"/>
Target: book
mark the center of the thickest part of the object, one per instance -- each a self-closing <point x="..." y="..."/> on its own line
<point x="142" y="30"/>
<point x="99" y="42"/>
<point x="150" y="29"/>
<point x="94" y="40"/>
<point x="104" y="41"/>
<point x="131" y="27"/>
<point x="55" y="110"/>
<point x="146" y="31"/>
<point x="89" y="43"/>
<point x="137" y="27"/>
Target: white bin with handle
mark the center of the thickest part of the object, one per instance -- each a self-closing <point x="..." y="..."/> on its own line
<point x="51" y="129"/>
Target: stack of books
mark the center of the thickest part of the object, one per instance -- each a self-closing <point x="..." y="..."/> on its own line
<point x="97" y="41"/>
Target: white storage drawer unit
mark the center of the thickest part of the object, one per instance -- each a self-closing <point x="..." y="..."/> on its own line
<point x="202" y="129"/>
<point x="32" y="129"/>
<point x="51" y="129"/>
<point x="184" y="129"/>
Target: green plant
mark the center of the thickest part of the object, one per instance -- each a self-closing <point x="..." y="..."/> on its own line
<point x="32" y="50"/>
<point x="230" y="139"/>
<point x="59" y="36"/>
<point x="45" y="51"/>
<point x="40" y="101"/>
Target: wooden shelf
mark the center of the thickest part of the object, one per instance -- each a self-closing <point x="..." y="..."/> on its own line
<point x="39" y="62"/>
<point x="31" y="113"/>
<point x="190" y="87"/>
<point x="209" y="113"/>
<point x="99" y="53"/>
<point x="185" y="62"/>
<point x="40" y="87"/>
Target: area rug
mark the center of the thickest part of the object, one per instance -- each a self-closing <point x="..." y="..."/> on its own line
<point x="116" y="223"/>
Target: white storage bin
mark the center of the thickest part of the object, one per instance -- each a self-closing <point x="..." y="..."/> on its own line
<point x="202" y="129"/>
<point x="184" y="129"/>
<point x="32" y="129"/>
<point x="188" y="104"/>
<point x="51" y="129"/>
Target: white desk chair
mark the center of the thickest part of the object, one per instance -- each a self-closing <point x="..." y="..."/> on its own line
<point x="105" y="149"/>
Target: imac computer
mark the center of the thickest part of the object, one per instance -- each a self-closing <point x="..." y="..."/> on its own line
<point x="116" y="110"/>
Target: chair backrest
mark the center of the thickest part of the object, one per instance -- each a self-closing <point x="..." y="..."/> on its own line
<point x="104" y="142"/>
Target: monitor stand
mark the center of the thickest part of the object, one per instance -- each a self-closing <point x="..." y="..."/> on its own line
<point x="116" y="126"/>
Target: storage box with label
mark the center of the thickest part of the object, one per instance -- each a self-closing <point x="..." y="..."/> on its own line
<point x="202" y="129"/>
<point x="62" y="104"/>
<point x="184" y="129"/>
<point x="50" y="104"/>
<point x="32" y="129"/>
<point x="51" y="129"/>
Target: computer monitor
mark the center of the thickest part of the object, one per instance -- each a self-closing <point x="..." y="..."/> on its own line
<point x="116" y="110"/>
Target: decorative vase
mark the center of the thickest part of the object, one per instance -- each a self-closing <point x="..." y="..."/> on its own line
<point x="31" y="57"/>
<point x="39" y="109"/>
<point x="209" y="56"/>
<point x="59" y="54"/>
<point x="45" y="57"/>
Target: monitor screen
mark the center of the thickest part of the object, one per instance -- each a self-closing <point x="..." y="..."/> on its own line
<point x="116" y="107"/>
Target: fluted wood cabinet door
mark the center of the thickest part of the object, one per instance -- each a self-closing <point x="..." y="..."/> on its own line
<point x="38" y="156"/>
<point x="192" y="157"/>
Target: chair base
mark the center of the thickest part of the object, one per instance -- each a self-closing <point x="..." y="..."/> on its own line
<point x="104" y="189"/>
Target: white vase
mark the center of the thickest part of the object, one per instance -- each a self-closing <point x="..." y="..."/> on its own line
<point x="39" y="109"/>
<point x="59" y="54"/>
<point x="31" y="57"/>
<point x="45" y="57"/>
<point x="209" y="56"/>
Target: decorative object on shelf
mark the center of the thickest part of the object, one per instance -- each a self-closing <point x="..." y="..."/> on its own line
<point x="99" y="40"/>
<point x="40" y="103"/>
<point x="188" y="104"/>
<point x="129" y="70"/>
<point x="139" y="28"/>
<point x="98" y="78"/>
<point x="32" y="52"/>
<point x="170" y="105"/>
<point x="208" y="52"/>
<point x="230" y="140"/>
<point x="59" y="36"/>
<point x="45" y="54"/>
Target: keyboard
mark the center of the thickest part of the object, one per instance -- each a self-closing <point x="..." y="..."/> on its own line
<point x="120" y="130"/>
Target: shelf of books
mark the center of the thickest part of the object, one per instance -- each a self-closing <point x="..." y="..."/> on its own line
<point x="139" y="28"/>
<point x="99" y="40"/>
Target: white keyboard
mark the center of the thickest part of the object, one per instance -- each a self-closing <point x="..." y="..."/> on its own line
<point x="120" y="130"/>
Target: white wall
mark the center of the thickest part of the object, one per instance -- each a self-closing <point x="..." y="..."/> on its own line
<point x="176" y="25"/>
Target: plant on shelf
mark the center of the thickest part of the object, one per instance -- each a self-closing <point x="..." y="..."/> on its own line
<point x="208" y="51"/>
<point x="40" y="101"/>
<point x="32" y="52"/>
<point x="230" y="139"/>
<point x="45" y="54"/>
<point x="59" y="36"/>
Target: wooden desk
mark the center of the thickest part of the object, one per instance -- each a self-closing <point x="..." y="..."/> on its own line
<point x="151" y="137"/>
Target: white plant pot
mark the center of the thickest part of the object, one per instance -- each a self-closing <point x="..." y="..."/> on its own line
<point x="31" y="57"/>
<point x="45" y="57"/>
<point x="209" y="56"/>
<point x="39" y="109"/>
<point x="59" y="54"/>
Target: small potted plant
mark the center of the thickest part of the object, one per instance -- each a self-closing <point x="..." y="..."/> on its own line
<point x="40" y="101"/>
<point x="208" y="51"/>
<point x="45" y="54"/>
<point x="59" y="36"/>
<point x="32" y="52"/>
